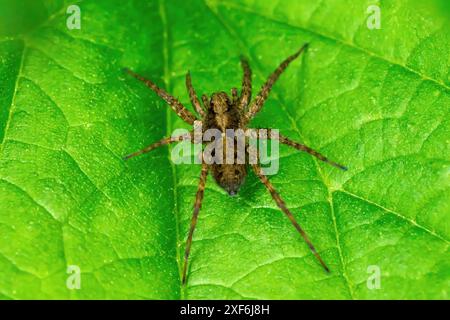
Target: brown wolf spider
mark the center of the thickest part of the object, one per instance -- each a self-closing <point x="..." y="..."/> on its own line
<point x="222" y="112"/>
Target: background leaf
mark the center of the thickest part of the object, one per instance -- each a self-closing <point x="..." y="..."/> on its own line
<point x="376" y="100"/>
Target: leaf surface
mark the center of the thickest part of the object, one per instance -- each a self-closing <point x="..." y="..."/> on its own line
<point x="375" y="100"/>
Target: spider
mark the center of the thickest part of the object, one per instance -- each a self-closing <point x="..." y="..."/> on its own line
<point x="223" y="112"/>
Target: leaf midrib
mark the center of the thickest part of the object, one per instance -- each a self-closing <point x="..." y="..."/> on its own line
<point x="169" y="114"/>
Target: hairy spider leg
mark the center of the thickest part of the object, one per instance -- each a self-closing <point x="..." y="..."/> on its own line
<point x="155" y="145"/>
<point x="258" y="102"/>
<point x="246" y="92"/>
<point x="302" y="147"/>
<point x="193" y="96"/>
<point x="197" y="206"/>
<point x="173" y="102"/>
<point x="281" y="204"/>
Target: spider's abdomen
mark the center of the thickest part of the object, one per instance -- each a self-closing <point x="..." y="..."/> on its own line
<point x="229" y="177"/>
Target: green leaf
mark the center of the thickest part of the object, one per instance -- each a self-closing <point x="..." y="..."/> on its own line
<point x="375" y="100"/>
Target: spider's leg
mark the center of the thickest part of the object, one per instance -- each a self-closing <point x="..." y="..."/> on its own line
<point x="311" y="151"/>
<point x="197" y="206"/>
<point x="193" y="96"/>
<point x="257" y="104"/>
<point x="173" y="102"/>
<point x="161" y="142"/>
<point x="246" y="92"/>
<point x="281" y="204"/>
<point x="302" y="147"/>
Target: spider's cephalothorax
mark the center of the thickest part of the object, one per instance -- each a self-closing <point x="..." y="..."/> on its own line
<point x="222" y="112"/>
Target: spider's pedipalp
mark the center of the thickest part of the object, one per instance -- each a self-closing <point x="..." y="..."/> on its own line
<point x="234" y="95"/>
<point x="173" y="102"/>
<point x="205" y="101"/>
